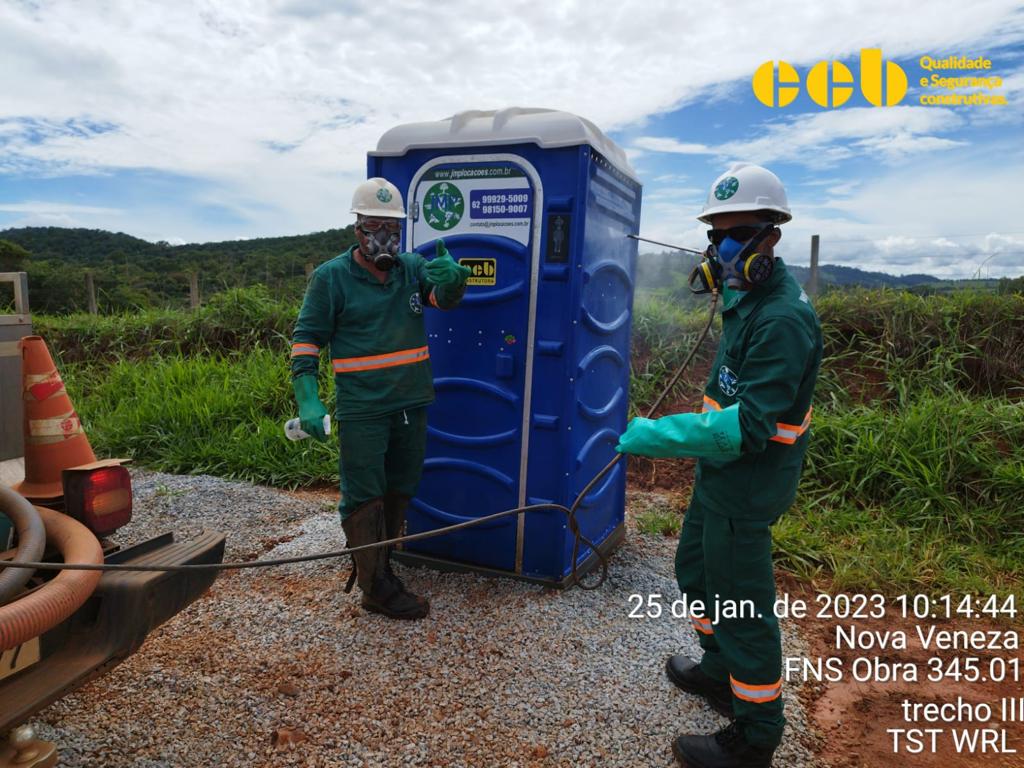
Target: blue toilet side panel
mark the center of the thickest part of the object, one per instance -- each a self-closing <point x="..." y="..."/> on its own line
<point x="601" y="348"/>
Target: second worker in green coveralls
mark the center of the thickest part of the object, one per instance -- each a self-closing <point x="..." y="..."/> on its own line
<point x="366" y="306"/>
<point x="750" y="440"/>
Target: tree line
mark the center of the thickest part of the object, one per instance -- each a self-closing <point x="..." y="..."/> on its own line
<point x="130" y="273"/>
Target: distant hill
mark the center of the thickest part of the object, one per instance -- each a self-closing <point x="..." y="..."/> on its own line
<point x="669" y="270"/>
<point x="833" y="274"/>
<point x="130" y="272"/>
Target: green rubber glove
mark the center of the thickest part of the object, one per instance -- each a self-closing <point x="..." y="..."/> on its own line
<point x="443" y="271"/>
<point x="311" y="410"/>
<point x="709" y="435"/>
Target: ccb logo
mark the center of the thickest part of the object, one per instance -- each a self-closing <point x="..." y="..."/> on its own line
<point x="779" y="86"/>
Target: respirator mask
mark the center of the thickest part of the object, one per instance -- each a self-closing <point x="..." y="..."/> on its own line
<point x="732" y="260"/>
<point x="379" y="243"/>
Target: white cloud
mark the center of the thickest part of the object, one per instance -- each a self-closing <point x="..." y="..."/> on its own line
<point x="674" y="193"/>
<point x="823" y="139"/>
<point x="275" y="104"/>
<point x="661" y="144"/>
<point x="45" y="220"/>
<point x="52" y="209"/>
<point x="942" y="219"/>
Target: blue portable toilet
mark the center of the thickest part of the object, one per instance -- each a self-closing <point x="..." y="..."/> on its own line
<point x="532" y="369"/>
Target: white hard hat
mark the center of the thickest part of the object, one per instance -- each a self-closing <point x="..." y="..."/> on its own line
<point x="378" y="197"/>
<point x="746" y="187"/>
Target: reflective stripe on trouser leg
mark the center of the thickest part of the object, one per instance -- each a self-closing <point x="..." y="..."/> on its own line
<point x="738" y="558"/>
<point x="691" y="577"/>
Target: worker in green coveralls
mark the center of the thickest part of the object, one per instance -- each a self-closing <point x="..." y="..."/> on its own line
<point x="366" y="305"/>
<point x="750" y="441"/>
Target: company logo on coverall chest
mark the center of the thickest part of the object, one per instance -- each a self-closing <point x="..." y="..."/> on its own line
<point x="728" y="381"/>
<point x="415" y="303"/>
<point x="882" y="83"/>
<point x="443" y="206"/>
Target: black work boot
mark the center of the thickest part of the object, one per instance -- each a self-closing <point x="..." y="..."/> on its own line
<point x="725" y="749"/>
<point x="686" y="674"/>
<point x="394" y="526"/>
<point x="366" y="526"/>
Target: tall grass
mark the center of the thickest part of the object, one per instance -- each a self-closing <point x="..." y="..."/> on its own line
<point x="930" y="495"/>
<point x="887" y="344"/>
<point x="203" y="415"/>
<point x="663" y="334"/>
<point x="237" y="319"/>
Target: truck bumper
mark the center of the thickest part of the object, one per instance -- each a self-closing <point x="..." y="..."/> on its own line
<point x="112" y="623"/>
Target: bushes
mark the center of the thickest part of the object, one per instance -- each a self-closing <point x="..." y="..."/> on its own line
<point x="237" y="319"/>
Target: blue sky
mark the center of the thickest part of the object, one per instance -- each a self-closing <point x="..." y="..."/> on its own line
<point x="206" y="121"/>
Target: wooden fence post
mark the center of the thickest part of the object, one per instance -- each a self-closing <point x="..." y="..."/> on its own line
<point x="193" y="290"/>
<point x="90" y="289"/>
<point x="812" y="280"/>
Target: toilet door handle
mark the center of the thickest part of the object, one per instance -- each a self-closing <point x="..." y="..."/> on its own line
<point x="505" y="366"/>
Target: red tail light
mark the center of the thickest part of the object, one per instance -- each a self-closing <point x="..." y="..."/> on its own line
<point x="100" y="497"/>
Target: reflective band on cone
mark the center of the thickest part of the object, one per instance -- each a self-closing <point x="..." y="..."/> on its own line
<point x="54" y="438"/>
<point x="62" y="426"/>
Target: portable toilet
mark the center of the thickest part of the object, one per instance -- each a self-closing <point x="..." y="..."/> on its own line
<point x="532" y="369"/>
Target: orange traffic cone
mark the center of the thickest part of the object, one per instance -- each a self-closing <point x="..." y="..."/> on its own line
<point x="54" y="439"/>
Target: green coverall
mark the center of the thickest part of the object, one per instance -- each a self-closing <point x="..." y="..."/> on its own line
<point x="382" y="376"/>
<point x="767" y="363"/>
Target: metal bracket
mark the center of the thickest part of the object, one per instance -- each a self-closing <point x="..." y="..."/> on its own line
<point x="24" y="750"/>
<point x="21" y="311"/>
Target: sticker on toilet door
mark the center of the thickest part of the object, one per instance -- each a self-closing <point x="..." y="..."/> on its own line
<point x="475" y="198"/>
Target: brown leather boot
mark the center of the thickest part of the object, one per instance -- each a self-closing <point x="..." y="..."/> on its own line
<point x="394" y="526"/>
<point x="366" y="526"/>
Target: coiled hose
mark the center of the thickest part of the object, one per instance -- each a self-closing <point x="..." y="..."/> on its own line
<point x="31" y="541"/>
<point x="48" y="606"/>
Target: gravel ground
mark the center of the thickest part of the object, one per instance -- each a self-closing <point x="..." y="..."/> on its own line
<point x="280" y="667"/>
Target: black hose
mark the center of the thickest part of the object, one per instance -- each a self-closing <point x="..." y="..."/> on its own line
<point x="31" y="540"/>
<point x="569" y="512"/>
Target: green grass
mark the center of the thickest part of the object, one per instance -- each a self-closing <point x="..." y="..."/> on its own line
<point x="895" y="345"/>
<point x="660" y="519"/>
<point x="207" y="415"/>
<point x="234" y="320"/>
<point x="663" y="335"/>
<point x="930" y="496"/>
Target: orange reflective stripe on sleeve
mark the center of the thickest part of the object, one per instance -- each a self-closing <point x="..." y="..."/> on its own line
<point x="433" y="298"/>
<point x="375" y="362"/>
<point x="784" y="433"/>
<point x="789" y="433"/>
<point x="702" y="625"/>
<point x="305" y="349"/>
<point x="756" y="694"/>
<point x="711" y="405"/>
